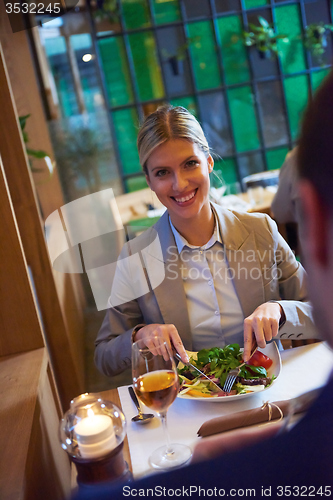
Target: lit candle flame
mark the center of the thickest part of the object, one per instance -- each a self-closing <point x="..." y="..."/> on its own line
<point x="91" y="413"/>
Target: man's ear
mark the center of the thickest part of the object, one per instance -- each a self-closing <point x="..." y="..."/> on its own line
<point x="315" y="224"/>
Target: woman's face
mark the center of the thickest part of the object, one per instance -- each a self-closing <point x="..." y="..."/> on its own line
<point x="178" y="172"/>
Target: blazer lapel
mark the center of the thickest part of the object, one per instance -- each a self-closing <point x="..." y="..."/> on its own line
<point x="241" y="252"/>
<point x="170" y="293"/>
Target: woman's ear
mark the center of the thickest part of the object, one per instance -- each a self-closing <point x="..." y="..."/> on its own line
<point x="148" y="181"/>
<point x="210" y="162"/>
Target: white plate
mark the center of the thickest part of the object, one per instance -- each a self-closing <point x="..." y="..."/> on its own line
<point x="271" y="350"/>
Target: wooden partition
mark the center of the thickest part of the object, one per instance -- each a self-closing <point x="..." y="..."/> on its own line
<point x="30" y="226"/>
<point x="41" y="317"/>
<point x="32" y="463"/>
<point x="60" y="298"/>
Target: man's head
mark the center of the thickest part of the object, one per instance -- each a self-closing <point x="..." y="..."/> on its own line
<point x="315" y="165"/>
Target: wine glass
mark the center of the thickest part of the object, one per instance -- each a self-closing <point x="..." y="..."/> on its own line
<point x="155" y="381"/>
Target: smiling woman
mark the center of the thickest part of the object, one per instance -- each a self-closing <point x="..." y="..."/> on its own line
<point x="211" y="277"/>
<point x="178" y="172"/>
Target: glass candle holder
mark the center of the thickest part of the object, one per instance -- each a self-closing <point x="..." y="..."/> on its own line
<point x="92" y="432"/>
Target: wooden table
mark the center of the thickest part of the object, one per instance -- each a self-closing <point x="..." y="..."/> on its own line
<point x="308" y="368"/>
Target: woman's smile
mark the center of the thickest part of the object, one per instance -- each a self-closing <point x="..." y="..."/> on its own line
<point x="185" y="197"/>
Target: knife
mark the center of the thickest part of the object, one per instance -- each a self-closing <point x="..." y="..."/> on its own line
<point x="197" y="369"/>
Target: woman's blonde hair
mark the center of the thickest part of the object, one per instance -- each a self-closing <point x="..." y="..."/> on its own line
<point x="168" y="122"/>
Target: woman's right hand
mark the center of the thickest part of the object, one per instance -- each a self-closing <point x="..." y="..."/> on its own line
<point x="168" y="332"/>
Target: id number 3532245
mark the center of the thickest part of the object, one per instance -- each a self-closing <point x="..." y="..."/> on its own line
<point x="303" y="491"/>
<point x="32" y="8"/>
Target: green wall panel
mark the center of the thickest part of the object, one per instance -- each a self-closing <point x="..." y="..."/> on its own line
<point x="249" y="4"/>
<point x="234" y="55"/>
<point x="204" y="55"/>
<point x="317" y="77"/>
<point x="126" y="126"/>
<point x="136" y="13"/>
<point x="204" y="58"/>
<point x="297" y="92"/>
<point x="147" y="68"/>
<point x="243" y="118"/>
<point x="187" y="102"/>
<point x="115" y="68"/>
<point x="288" y="21"/>
<point x="226" y="168"/>
<point x="275" y="157"/>
<point x="166" y="12"/>
<point x="136" y="183"/>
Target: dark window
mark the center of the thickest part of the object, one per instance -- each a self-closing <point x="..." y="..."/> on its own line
<point x="227" y="5"/>
<point x="175" y="63"/>
<point x="195" y="8"/>
<point x="250" y="163"/>
<point x="214" y="121"/>
<point x="272" y="111"/>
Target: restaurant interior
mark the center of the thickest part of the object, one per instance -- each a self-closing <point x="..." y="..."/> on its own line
<point x="74" y="88"/>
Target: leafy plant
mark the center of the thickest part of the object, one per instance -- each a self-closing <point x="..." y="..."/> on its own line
<point x="106" y="9"/>
<point x="32" y="153"/>
<point x="315" y="38"/>
<point x="77" y="155"/>
<point x="263" y="38"/>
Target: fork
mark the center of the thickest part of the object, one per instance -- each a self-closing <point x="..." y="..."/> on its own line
<point x="231" y="377"/>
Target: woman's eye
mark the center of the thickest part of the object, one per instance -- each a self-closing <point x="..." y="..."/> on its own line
<point x="161" y="173"/>
<point x="192" y="163"/>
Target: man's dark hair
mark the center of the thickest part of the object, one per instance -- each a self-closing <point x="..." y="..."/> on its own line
<point x="315" y="153"/>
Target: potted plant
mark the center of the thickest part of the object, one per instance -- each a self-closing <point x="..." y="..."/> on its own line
<point x="315" y="38"/>
<point x="77" y="152"/>
<point x="105" y="9"/>
<point x="33" y="153"/>
<point x="263" y="38"/>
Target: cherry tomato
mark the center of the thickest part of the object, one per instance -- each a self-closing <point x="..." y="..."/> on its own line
<point x="260" y="359"/>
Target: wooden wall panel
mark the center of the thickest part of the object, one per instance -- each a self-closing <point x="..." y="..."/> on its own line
<point x="48" y="192"/>
<point x="28" y="101"/>
<point x="19" y="321"/>
<point x="48" y="467"/>
<point x="32" y="462"/>
<point x="65" y="362"/>
<point x="19" y="378"/>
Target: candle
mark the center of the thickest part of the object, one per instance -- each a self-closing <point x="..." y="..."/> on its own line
<point x="95" y="435"/>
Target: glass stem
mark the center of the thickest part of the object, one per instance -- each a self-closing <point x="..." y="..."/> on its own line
<point x="163" y="417"/>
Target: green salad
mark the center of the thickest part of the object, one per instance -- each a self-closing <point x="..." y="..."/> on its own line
<point x="216" y="364"/>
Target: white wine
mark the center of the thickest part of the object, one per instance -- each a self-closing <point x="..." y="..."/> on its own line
<point x="157" y="389"/>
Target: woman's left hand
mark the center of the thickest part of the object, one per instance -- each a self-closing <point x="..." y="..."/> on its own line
<point x="262" y="325"/>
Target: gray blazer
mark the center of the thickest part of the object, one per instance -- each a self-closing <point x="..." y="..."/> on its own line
<point x="262" y="266"/>
<point x="285" y="205"/>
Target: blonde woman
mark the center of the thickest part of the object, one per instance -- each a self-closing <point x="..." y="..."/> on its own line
<point x="227" y="276"/>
